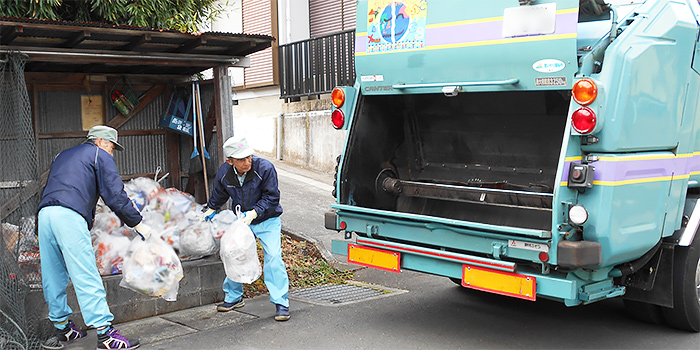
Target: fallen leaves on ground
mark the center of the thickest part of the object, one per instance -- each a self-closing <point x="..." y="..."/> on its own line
<point x="305" y="268"/>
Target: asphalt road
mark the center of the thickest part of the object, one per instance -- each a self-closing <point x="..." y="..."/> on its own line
<point x="435" y="313"/>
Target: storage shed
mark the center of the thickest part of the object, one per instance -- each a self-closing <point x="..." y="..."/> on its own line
<point x="58" y="79"/>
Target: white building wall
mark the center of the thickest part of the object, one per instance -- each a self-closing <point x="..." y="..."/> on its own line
<point x="293" y="19"/>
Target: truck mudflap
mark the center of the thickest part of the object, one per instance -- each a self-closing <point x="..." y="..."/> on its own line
<point x="489" y="275"/>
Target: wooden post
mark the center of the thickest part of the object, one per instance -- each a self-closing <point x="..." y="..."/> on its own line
<point x="172" y="147"/>
<point x="224" y="113"/>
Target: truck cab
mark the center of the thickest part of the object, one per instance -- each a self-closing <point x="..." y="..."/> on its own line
<point x="533" y="149"/>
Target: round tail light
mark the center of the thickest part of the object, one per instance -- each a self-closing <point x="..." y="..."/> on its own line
<point x="585" y="91"/>
<point x="578" y="215"/>
<point x="338" y="97"/>
<point x="338" y="118"/>
<point x="583" y="120"/>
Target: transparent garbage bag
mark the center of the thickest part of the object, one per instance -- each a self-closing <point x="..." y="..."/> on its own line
<point x="109" y="251"/>
<point x="221" y="222"/>
<point x="239" y="252"/>
<point x="106" y="221"/>
<point x="137" y="196"/>
<point x="196" y="239"/>
<point x="172" y="229"/>
<point x="149" y="187"/>
<point x="151" y="267"/>
<point x="175" y="204"/>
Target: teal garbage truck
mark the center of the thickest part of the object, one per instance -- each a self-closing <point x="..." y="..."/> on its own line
<point x="533" y="149"/>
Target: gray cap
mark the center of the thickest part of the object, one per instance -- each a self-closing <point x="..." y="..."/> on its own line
<point x="237" y="147"/>
<point x="105" y="132"/>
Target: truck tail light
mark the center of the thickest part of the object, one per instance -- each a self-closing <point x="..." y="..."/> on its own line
<point x="338" y="118"/>
<point x="583" y="120"/>
<point x="338" y="97"/>
<point x="585" y="91"/>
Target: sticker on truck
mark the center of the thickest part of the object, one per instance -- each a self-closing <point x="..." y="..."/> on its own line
<point x="550" y="81"/>
<point x="372" y="77"/>
<point x="548" y="65"/>
<point x="528" y="246"/>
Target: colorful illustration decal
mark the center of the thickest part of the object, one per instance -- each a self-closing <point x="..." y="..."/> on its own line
<point x="396" y="25"/>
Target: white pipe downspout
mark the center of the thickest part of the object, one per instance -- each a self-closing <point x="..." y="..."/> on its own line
<point x="280" y="130"/>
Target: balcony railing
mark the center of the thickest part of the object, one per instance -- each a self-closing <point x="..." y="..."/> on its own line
<point x="315" y="66"/>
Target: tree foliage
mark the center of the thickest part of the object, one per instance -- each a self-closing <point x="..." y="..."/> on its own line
<point x="184" y="15"/>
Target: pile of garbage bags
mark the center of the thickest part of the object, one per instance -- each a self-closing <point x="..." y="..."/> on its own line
<point x="179" y="231"/>
<point x="22" y="242"/>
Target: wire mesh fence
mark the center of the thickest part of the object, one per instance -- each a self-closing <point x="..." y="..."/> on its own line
<point x="19" y="183"/>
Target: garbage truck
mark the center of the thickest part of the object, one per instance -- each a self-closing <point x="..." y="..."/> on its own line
<point x="541" y="149"/>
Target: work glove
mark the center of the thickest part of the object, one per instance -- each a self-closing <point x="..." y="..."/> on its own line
<point x="249" y="216"/>
<point x="209" y="214"/>
<point x="143" y="230"/>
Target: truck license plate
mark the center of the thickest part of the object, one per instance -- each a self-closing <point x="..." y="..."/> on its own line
<point x="499" y="282"/>
<point x="376" y="258"/>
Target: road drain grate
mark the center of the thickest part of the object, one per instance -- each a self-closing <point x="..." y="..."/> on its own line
<point x="340" y="294"/>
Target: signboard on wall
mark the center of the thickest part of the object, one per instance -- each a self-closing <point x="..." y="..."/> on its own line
<point x="91" y="111"/>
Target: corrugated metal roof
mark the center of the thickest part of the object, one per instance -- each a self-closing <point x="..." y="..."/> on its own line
<point x="56" y="46"/>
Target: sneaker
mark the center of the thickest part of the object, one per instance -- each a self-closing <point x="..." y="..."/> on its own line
<point x="68" y="334"/>
<point x="52" y="343"/>
<point x="282" y="313"/>
<point x="230" y="306"/>
<point x="113" y="340"/>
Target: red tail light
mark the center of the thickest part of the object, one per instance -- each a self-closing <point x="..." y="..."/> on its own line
<point x="583" y="120"/>
<point x="338" y="97"/>
<point x="338" y="119"/>
<point x="585" y="91"/>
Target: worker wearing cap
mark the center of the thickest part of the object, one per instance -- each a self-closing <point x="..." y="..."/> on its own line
<point x="79" y="177"/>
<point x="251" y="182"/>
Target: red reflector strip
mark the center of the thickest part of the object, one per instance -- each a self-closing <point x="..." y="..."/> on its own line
<point x="460" y="259"/>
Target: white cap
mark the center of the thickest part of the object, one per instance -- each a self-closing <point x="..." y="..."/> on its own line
<point x="237" y="147"/>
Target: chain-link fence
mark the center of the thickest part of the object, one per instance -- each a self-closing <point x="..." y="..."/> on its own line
<point x="20" y="272"/>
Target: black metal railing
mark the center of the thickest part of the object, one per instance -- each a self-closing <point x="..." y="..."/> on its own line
<point x="315" y="66"/>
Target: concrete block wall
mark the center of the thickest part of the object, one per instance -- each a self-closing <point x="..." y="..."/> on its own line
<point x="309" y="140"/>
<point x="201" y="285"/>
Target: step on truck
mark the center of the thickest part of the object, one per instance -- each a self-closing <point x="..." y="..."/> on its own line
<point x="533" y="149"/>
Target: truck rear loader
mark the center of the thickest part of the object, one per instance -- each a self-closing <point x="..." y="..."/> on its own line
<point x="533" y="149"/>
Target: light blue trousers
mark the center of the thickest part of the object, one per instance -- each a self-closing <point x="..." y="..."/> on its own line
<point x="269" y="232"/>
<point x="66" y="252"/>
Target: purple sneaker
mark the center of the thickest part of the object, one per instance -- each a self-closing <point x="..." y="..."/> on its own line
<point x="70" y="333"/>
<point x="113" y="340"/>
<point x="63" y="336"/>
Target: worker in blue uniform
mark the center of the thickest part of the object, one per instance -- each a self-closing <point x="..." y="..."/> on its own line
<point x="251" y="182"/>
<point x="78" y="177"/>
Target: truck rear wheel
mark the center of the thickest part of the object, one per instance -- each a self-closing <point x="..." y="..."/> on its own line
<point x="685" y="313"/>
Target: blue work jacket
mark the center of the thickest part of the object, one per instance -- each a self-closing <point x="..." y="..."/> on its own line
<point x="259" y="190"/>
<point x="82" y="174"/>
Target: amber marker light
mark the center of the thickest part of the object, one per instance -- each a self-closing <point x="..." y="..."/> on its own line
<point x="585" y="91"/>
<point x="338" y="97"/>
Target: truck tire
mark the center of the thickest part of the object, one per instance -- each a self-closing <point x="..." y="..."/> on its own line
<point x="642" y="311"/>
<point x="685" y="313"/>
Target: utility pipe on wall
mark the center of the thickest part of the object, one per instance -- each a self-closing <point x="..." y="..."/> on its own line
<point x="280" y="130"/>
